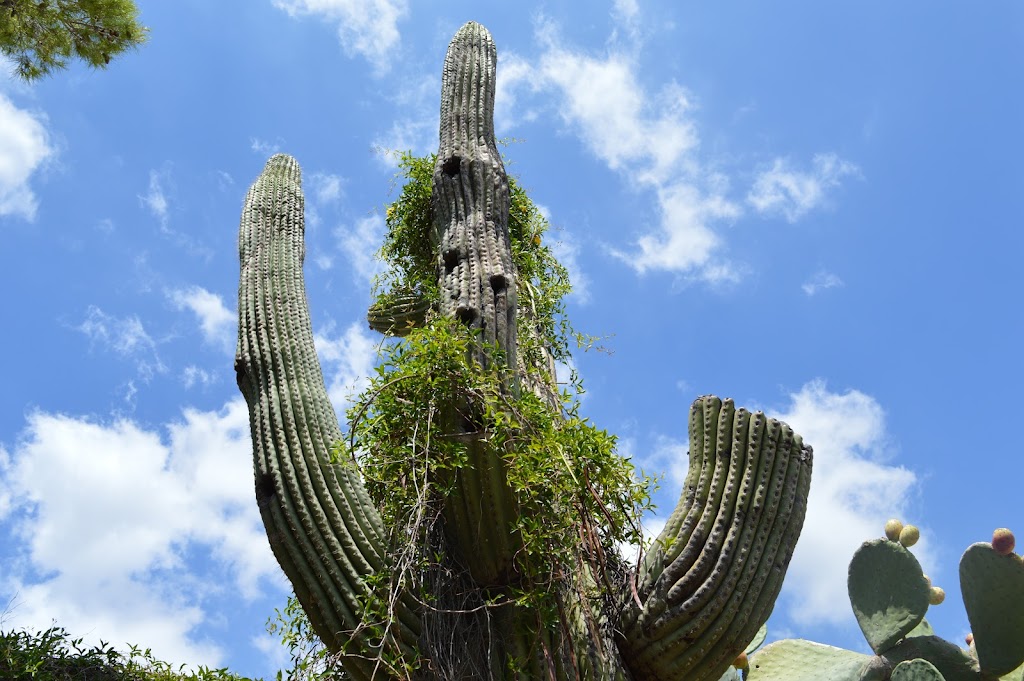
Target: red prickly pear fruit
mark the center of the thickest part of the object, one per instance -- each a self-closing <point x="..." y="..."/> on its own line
<point x="909" y="535"/>
<point x="893" y="529"/>
<point x="969" y="638"/>
<point x="741" y="662"/>
<point x="936" y="595"/>
<point x="1003" y="541"/>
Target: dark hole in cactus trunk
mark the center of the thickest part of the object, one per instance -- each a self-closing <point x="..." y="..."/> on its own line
<point x="466" y="315"/>
<point x="451" y="259"/>
<point x="451" y="166"/>
<point x="264" y="488"/>
<point x="498" y="283"/>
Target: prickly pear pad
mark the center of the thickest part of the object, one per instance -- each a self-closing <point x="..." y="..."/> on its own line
<point x="993" y="591"/>
<point x="888" y="592"/>
<point x="798" y="660"/>
<point x="916" y="670"/>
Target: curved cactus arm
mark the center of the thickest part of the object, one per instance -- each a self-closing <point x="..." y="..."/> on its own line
<point x="478" y="286"/>
<point x="322" y="526"/>
<point x="712" y="576"/>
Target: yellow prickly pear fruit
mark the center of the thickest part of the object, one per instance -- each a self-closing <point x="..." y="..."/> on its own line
<point x="893" y="529"/>
<point x="1003" y="541"/>
<point x="936" y="595"/>
<point x="909" y="535"/>
<point x="741" y="662"/>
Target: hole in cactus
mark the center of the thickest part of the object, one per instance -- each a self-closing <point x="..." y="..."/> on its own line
<point x="466" y="315"/>
<point x="498" y="283"/>
<point x="451" y="259"/>
<point x="264" y="487"/>
<point x="451" y="166"/>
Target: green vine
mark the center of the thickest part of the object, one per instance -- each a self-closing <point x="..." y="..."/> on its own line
<point x="577" y="500"/>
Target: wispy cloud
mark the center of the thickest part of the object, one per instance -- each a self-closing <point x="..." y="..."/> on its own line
<point x="368" y="28"/>
<point x="216" y="321"/>
<point x="820" y="281"/>
<point x="360" y="243"/>
<point x="650" y="138"/>
<point x="326" y="188"/>
<point x="855" y="488"/>
<point x="347" y="360"/>
<point x="783" y="190"/>
<point x="125" y="336"/>
<point x="25" y="148"/>
<point x="109" y="513"/>
<point x="264" y="147"/>
<point x="156" y="198"/>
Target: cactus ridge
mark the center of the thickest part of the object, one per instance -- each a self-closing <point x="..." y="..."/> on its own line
<point x="741" y="508"/>
<point x="340" y="538"/>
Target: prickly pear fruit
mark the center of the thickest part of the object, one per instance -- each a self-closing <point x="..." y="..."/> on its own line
<point x="1003" y="541"/>
<point x="936" y="595"/>
<point x="909" y="535"/>
<point x="893" y="529"/>
<point x="741" y="662"/>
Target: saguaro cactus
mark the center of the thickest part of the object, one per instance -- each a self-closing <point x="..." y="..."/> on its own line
<point x="707" y="583"/>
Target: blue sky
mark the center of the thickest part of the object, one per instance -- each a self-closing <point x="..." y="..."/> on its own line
<point x="813" y="208"/>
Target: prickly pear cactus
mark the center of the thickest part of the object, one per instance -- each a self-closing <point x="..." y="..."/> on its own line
<point x="890" y="597"/>
<point x="703" y="590"/>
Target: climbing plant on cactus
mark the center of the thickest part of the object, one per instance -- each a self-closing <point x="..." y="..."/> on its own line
<point x="465" y="526"/>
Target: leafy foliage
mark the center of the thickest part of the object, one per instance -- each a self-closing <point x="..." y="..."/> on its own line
<point x="52" y="655"/>
<point x="41" y="36"/>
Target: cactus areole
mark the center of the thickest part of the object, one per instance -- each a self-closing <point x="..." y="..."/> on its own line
<point x="478" y="599"/>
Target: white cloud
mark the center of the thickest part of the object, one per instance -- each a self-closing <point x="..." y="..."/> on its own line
<point x="418" y="136"/>
<point x="217" y="322"/>
<point x="264" y="147"/>
<point x="854" y="490"/>
<point x="126" y="337"/>
<point x="820" y="281"/>
<point x="107" y="514"/>
<point x="24" y="149"/>
<point x="649" y="138"/>
<point x="684" y="240"/>
<point x="347" y="361"/>
<point x="156" y="199"/>
<point x="360" y="244"/>
<point x="782" y="190"/>
<point x="368" y="28"/>
<point x="326" y="187"/>
<point x="193" y="375"/>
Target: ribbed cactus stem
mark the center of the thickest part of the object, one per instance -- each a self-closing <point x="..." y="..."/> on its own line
<point x="322" y="526"/>
<point x="712" y="575"/>
<point x="471" y="197"/>
<point x="478" y="286"/>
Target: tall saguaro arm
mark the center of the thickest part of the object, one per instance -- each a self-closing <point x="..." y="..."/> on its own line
<point x="477" y="281"/>
<point x="323" y="528"/>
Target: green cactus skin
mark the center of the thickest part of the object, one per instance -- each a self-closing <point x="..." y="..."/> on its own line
<point x="322" y="527"/>
<point x="797" y="660"/>
<point x="402" y="314"/>
<point x="478" y="284"/>
<point x="916" y="670"/>
<point x="711" y="577"/>
<point x="993" y="591"/>
<point x="704" y="591"/>
<point x="888" y="592"/>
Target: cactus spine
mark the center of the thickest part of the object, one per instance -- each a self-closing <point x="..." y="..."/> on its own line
<point x="704" y="588"/>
